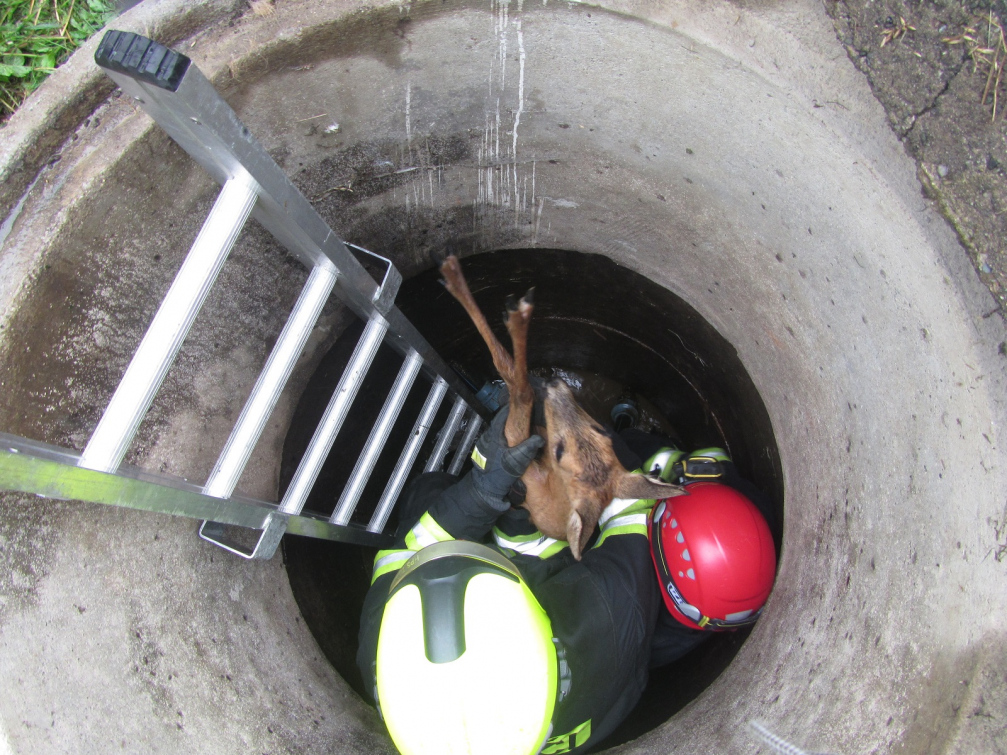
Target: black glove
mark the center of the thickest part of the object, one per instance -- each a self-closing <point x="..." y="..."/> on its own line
<point x="496" y="466"/>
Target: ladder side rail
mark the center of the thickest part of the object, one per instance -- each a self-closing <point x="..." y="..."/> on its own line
<point x="282" y="209"/>
<point x="195" y="115"/>
<point x="465" y="447"/>
<point x="190" y="110"/>
<point x="446" y="435"/>
<point x="29" y="466"/>
<point x="376" y="440"/>
<point x="408" y="457"/>
<point x="160" y="344"/>
<point x="335" y="414"/>
<point x="274" y="376"/>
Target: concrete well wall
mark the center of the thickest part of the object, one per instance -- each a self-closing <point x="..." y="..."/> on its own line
<point x="727" y="151"/>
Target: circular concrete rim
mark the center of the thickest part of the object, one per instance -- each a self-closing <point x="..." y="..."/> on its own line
<point x="577" y="296"/>
<point x="863" y="330"/>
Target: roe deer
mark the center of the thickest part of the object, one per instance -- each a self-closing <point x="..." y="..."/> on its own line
<point x="578" y="473"/>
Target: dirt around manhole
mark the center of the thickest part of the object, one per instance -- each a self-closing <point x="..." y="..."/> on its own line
<point x="938" y="70"/>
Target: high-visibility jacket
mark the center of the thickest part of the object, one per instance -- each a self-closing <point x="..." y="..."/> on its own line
<point x="603" y="609"/>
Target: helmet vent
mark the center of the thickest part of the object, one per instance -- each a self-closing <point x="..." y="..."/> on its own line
<point x="442" y="585"/>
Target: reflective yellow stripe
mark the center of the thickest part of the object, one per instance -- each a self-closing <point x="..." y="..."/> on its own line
<point x="556" y="547"/>
<point x="714" y="453"/>
<point x="634" y="525"/>
<point x="535" y="544"/>
<point x="616" y="507"/>
<point x="663" y="462"/>
<point x="623" y="506"/>
<point x="566" y="742"/>
<point x="389" y="561"/>
<point x="624" y="516"/>
<point x="477" y="458"/>
<point x="499" y="535"/>
<point x="426" y="532"/>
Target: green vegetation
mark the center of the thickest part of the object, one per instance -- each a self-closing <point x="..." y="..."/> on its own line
<point x="38" y="35"/>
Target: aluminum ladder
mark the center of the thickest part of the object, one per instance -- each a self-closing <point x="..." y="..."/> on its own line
<point x="179" y="98"/>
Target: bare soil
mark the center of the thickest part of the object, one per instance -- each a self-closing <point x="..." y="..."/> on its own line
<point x="937" y="67"/>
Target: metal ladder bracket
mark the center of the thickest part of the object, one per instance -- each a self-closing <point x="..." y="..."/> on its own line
<point x="265" y="546"/>
<point x="384" y="297"/>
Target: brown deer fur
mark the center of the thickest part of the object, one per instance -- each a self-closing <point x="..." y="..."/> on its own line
<point x="578" y="473"/>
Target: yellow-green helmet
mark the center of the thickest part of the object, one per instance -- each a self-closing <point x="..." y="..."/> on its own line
<point x="466" y="661"/>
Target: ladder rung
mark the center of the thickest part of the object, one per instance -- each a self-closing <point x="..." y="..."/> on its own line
<point x="465" y="447"/>
<point x="444" y="438"/>
<point x="335" y="413"/>
<point x="272" y="379"/>
<point x="194" y="114"/>
<point x="157" y="350"/>
<point x="409" y="454"/>
<point x="185" y="104"/>
<point x="376" y="441"/>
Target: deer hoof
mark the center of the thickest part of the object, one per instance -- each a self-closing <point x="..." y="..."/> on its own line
<point x="446" y="262"/>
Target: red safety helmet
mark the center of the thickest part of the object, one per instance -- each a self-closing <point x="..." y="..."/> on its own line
<point x="714" y="556"/>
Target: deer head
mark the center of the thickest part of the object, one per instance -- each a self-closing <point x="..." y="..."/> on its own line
<point x="578" y="473"/>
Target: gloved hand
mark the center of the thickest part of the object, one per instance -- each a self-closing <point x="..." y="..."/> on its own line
<point x="497" y="466"/>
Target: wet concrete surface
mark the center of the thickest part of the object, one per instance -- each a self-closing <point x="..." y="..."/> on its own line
<point x="751" y="172"/>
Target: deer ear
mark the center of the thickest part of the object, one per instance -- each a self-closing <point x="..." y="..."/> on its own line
<point x="640" y="486"/>
<point x="574" y="533"/>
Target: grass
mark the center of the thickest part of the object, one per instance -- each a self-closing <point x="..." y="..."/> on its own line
<point x="38" y="35"/>
<point x="986" y="42"/>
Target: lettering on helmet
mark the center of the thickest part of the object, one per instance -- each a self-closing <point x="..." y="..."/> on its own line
<point x="686" y="608"/>
<point x="675" y="595"/>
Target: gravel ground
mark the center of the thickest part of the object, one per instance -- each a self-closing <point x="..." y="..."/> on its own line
<point x="929" y="64"/>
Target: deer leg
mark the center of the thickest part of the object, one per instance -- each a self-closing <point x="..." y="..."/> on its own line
<point x="522" y="398"/>
<point x="518" y="425"/>
<point x="456" y="285"/>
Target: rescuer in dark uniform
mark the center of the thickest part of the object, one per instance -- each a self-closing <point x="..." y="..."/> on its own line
<point x="480" y="635"/>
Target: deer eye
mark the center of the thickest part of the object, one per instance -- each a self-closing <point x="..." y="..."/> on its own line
<point x="559" y="450"/>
